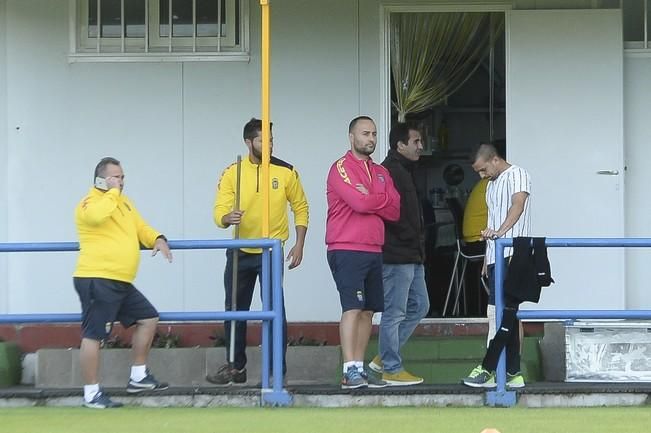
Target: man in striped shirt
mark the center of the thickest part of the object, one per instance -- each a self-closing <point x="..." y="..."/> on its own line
<point x="508" y="199"/>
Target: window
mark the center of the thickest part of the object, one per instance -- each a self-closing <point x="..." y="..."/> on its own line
<point x="155" y="28"/>
<point x="636" y="15"/>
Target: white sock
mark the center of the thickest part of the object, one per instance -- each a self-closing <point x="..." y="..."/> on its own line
<point x="360" y="366"/>
<point x="138" y="372"/>
<point x="90" y="391"/>
<point x="490" y="313"/>
<point x="347" y="365"/>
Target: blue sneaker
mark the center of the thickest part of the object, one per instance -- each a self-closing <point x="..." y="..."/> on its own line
<point x="148" y="383"/>
<point x="353" y="379"/>
<point x="102" y="401"/>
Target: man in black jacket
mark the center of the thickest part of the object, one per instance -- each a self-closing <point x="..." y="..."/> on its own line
<point x="405" y="294"/>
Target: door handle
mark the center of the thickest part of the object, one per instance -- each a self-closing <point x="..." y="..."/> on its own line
<point x="608" y="172"/>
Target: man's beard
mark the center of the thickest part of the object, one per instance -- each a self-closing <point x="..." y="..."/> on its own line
<point x="258" y="153"/>
<point x="363" y="150"/>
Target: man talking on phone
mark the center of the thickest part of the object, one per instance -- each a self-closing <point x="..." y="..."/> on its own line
<point x="110" y="233"/>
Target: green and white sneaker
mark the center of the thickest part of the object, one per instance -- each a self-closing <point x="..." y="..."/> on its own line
<point x="514" y="380"/>
<point x="480" y="378"/>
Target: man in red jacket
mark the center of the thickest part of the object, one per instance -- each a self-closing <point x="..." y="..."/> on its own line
<point x="361" y="196"/>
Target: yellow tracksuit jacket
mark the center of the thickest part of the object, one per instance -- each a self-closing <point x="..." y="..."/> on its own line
<point x="285" y="189"/>
<point x="110" y="232"/>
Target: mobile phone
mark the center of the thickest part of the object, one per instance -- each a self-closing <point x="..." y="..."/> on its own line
<point x="100" y="183"/>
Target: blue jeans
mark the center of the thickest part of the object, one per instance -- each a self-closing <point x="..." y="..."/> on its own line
<point x="405" y="303"/>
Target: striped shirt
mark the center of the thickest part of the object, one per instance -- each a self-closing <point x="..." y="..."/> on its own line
<point x="499" y="198"/>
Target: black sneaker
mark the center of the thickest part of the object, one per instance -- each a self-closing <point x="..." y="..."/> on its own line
<point x="148" y="383"/>
<point x="227" y="375"/>
<point x="373" y="382"/>
<point x="102" y="401"/>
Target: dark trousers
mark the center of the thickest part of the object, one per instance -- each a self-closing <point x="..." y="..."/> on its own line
<point x="507" y="336"/>
<point x="249" y="270"/>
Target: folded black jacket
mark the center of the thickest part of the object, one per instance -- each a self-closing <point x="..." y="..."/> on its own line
<point x="529" y="269"/>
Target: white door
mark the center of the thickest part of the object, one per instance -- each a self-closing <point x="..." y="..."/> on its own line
<point x="565" y="126"/>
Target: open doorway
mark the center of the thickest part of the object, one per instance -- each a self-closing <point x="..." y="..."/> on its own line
<point x="448" y="78"/>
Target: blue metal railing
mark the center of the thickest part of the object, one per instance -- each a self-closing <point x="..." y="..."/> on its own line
<point x="503" y="397"/>
<point x="272" y="317"/>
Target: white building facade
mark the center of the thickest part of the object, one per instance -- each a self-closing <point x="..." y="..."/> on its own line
<point x="577" y="104"/>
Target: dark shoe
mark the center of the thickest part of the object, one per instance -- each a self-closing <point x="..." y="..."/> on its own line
<point x="148" y="383"/>
<point x="373" y="382"/>
<point x="227" y="375"/>
<point x="102" y="401"/>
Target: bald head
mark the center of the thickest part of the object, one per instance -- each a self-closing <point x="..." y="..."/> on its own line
<point x="490" y="430"/>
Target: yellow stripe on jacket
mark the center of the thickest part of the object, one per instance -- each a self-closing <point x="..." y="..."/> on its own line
<point x="285" y="189"/>
<point x="110" y="232"/>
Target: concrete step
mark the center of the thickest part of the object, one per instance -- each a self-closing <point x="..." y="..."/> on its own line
<point x="438" y="359"/>
<point x="59" y="368"/>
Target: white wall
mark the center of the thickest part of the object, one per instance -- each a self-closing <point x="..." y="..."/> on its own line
<point x="637" y="97"/>
<point x="175" y="126"/>
<point x="315" y="92"/>
<point x="48" y="168"/>
<point x="3" y="154"/>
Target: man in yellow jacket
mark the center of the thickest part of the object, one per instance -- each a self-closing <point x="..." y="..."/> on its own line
<point x="110" y="233"/>
<point x="285" y="189"/>
<point x="475" y="215"/>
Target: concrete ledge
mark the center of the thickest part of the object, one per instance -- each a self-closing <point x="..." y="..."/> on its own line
<point x="582" y="400"/>
<point x="434" y="400"/>
<point x="333" y="396"/>
<point x="59" y="368"/>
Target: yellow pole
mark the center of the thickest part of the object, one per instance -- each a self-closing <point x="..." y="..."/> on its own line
<point x="266" y="130"/>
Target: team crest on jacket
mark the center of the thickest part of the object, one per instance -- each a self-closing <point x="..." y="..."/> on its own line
<point x="274" y="183"/>
<point x="380" y="177"/>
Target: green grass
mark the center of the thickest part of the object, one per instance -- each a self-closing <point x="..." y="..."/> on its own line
<point x="322" y="420"/>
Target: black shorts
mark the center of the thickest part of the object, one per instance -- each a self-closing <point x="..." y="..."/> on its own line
<point x="358" y="276"/>
<point x="105" y="301"/>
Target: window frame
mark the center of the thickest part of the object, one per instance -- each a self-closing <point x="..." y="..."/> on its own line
<point x="153" y="47"/>
<point x="157" y="41"/>
<point x="638" y="46"/>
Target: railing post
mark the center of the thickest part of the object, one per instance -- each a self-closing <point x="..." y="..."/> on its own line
<point x="278" y="396"/>
<point x="500" y="397"/>
<point x="265" y="288"/>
